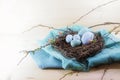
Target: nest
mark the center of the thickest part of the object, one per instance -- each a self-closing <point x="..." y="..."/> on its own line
<point x="81" y="52"/>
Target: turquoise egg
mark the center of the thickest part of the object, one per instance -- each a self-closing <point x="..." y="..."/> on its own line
<point x="69" y="38"/>
<point x="75" y="43"/>
<point x="87" y="37"/>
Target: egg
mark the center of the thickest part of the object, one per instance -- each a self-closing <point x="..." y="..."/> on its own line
<point x="75" y="43"/>
<point x="76" y="37"/>
<point x="87" y="37"/>
<point x="82" y="31"/>
<point x="69" y="38"/>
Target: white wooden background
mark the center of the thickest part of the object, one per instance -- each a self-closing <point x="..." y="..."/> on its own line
<point x="17" y="16"/>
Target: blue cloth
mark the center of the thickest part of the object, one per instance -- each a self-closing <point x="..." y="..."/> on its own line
<point x="48" y="57"/>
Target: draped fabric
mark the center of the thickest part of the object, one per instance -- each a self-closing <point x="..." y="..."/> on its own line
<point x="48" y="57"/>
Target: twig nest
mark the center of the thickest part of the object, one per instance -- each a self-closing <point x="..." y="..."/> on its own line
<point x="87" y="37"/>
<point x="79" y="47"/>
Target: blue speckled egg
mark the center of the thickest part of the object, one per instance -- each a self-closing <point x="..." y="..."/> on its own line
<point x="75" y="43"/>
<point x="69" y="38"/>
<point x="82" y="31"/>
<point x="76" y="37"/>
<point x="87" y="37"/>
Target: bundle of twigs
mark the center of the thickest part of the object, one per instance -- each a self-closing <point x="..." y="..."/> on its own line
<point x="82" y="51"/>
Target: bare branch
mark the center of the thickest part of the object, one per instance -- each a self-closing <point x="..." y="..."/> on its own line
<point x="99" y="6"/>
<point x="41" y="25"/>
<point x="44" y="45"/>
<point x="114" y="29"/>
<point x="117" y="31"/>
<point x="111" y="32"/>
<point x="23" y="57"/>
<point x="105" y="70"/>
<point x="72" y="72"/>
<point x="105" y="23"/>
<point x="50" y="27"/>
<point x="27" y="52"/>
<point x="108" y="23"/>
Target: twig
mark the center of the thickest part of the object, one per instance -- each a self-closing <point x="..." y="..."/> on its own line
<point x="105" y="23"/>
<point x="117" y="31"/>
<point x="26" y="52"/>
<point x="99" y="6"/>
<point x="111" y="32"/>
<point x="67" y="74"/>
<point x="114" y="29"/>
<point x="44" y="45"/>
<point x="41" y="25"/>
<point x="105" y="70"/>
